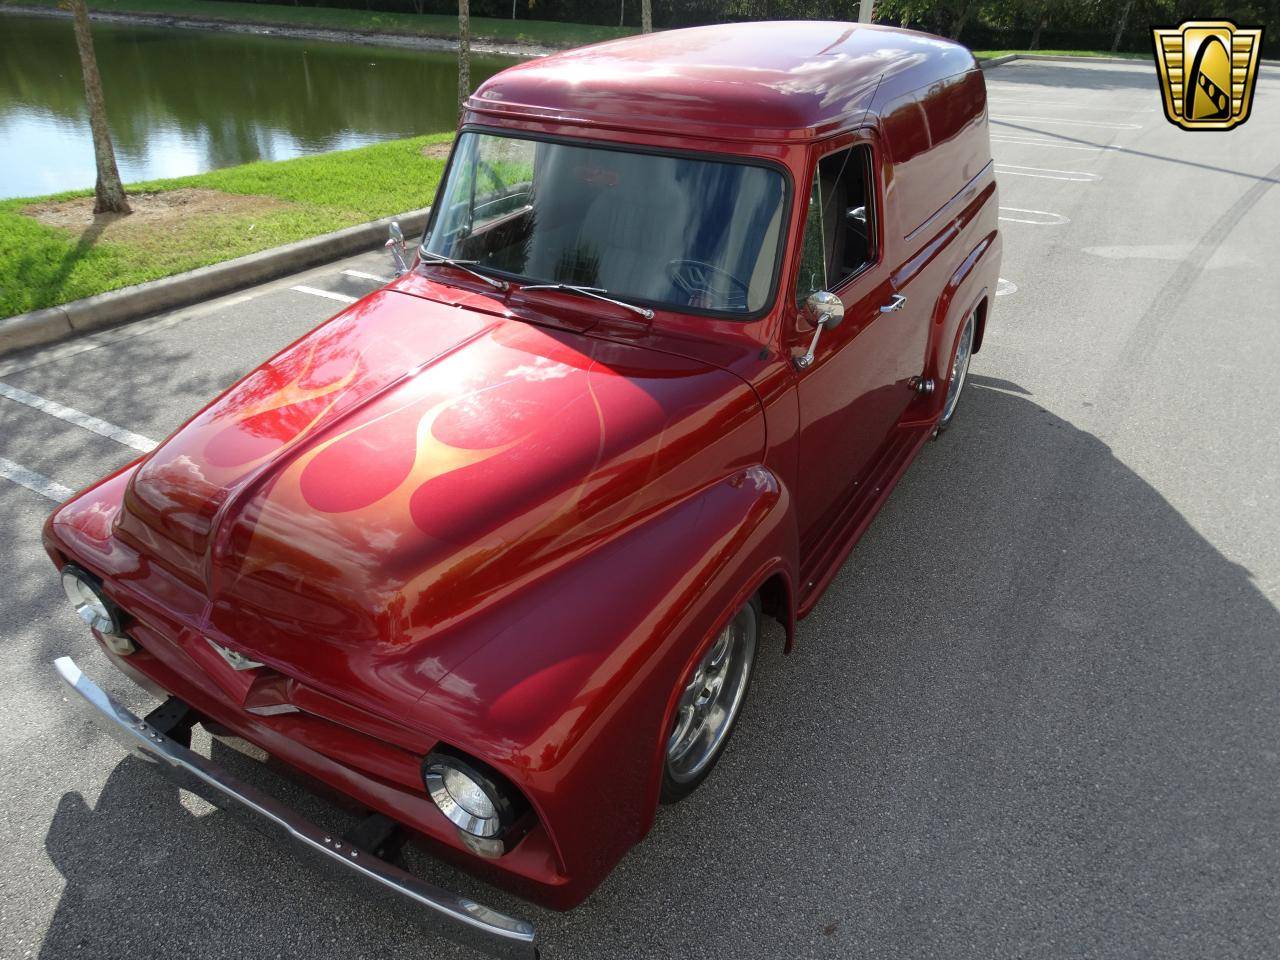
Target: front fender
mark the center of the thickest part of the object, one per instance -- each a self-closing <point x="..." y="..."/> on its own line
<point x="572" y="701"/>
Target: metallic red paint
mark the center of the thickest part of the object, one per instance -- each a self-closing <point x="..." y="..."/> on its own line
<point x="511" y="522"/>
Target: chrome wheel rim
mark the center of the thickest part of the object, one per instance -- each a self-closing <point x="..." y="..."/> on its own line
<point x="959" y="370"/>
<point x="710" y="701"/>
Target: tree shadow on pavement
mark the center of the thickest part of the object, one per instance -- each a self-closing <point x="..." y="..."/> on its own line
<point x="1049" y="75"/>
<point x="1034" y="716"/>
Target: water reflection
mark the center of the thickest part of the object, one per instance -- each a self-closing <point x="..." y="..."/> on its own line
<point x="184" y="101"/>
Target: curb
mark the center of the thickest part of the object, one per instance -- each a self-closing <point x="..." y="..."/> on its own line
<point x="133" y="303"/>
<point x="1067" y="58"/>
<point x="1010" y="57"/>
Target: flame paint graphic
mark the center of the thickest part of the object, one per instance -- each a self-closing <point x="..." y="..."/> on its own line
<point x="323" y="474"/>
<point x="445" y="490"/>
<point x="369" y="474"/>
<point x="271" y="421"/>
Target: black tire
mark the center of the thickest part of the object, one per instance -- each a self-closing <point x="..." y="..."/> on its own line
<point x="678" y="783"/>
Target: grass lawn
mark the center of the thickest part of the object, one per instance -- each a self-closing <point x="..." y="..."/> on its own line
<point x="542" y="32"/>
<point x="992" y="54"/>
<point x="190" y="222"/>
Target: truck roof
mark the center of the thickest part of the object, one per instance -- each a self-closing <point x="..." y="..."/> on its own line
<point x="762" y="80"/>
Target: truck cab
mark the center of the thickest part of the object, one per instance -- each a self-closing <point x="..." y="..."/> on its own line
<point x="811" y="206"/>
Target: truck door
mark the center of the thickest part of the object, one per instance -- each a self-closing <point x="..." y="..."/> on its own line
<point x="855" y="391"/>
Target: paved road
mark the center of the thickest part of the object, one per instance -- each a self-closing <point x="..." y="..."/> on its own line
<point x="1035" y="716"/>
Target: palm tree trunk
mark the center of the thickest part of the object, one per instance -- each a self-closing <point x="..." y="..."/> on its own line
<point x="1124" y="21"/>
<point x="464" y="53"/>
<point x="108" y="191"/>
<point x="1040" y="25"/>
<point x="961" y="18"/>
<point x="646" y="16"/>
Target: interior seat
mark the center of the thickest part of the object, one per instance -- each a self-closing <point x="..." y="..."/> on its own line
<point x="632" y="230"/>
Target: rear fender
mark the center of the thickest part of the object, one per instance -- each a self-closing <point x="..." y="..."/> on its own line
<point x="968" y="287"/>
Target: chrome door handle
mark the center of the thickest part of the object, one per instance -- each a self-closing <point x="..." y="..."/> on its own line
<point x="896" y="303"/>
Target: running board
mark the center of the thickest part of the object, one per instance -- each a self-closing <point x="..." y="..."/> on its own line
<point x="830" y="553"/>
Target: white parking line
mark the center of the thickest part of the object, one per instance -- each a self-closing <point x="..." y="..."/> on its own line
<point x="1074" y="123"/>
<point x="1041" y="218"/>
<point x="367" y="276"/>
<point x="328" y="294"/>
<point x="84" y="420"/>
<point x="1046" y="142"/>
<point x="33" y="481"/>
<point x="1046" y="173"/>
<point x="1005" y="287"/>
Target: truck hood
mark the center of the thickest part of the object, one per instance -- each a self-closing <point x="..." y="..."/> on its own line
<point x="361" y="511"/>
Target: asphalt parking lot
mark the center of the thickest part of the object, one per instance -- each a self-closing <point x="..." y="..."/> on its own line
<point x="1035" y="716"/>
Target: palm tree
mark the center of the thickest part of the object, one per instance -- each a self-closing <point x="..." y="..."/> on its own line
<point x="108" y="191"/>
<point x="1121" y="24"/>
<point x="646" y="16"/>
<point x="464" y="53"/>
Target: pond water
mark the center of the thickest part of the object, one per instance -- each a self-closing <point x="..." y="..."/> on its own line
<point x="182" y="101"/>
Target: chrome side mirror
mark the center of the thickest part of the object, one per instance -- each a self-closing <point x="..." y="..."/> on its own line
<point x="825" y="311"/>
<point x="397" y="247"/>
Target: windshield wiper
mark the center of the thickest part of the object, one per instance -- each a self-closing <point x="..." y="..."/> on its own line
<point x="464" y="265"/>
<point x="598" y="292"/>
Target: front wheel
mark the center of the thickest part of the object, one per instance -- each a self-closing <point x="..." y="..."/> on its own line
<point x="959" y="371"/>
<point x="710" y="699"/>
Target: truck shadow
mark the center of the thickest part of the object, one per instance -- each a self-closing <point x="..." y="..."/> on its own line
<point x="1036" y="708"/>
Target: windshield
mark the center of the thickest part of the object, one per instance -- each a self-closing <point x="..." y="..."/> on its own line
<point x="671" y="231"/>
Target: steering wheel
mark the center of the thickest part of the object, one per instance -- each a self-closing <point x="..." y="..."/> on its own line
<point x="694" y="278"/>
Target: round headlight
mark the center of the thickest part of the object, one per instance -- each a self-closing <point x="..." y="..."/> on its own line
<point x="98" y="613"/>
<point x="462" y="799"/>
<point x="91" y="606"/>
<point x="468" y="794"/>
<point x="476" y="800"/>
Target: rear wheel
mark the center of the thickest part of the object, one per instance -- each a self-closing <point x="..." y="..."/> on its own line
<point x="959" y="371"/>
<point x="708" y="704"/>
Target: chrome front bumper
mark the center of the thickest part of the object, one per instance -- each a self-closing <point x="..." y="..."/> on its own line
<point x="456" y="917"/>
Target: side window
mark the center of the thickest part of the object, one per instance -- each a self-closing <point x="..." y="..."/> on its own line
<point x="838" y="231"/>
<point x="496" y="178"/>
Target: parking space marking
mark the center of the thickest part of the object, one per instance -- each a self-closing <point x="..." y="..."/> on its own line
<point x="34" y="481"/>
<point x="1046" y="173"/>
<point x="1109" y="124"/>
<point x="1048" y="142"/>
<point x="83" y="420"/>
<point x="367" y="276"/>
<point x="329" y="294"/>
<point x="1041" y="218"/>
<point x="1005" y="287"/>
